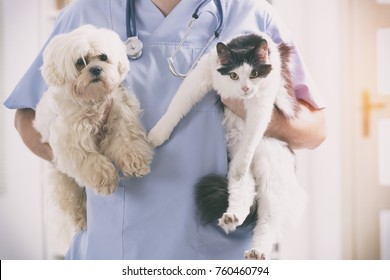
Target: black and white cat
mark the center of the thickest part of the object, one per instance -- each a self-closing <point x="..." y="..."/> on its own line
<point x="254" y="69"/>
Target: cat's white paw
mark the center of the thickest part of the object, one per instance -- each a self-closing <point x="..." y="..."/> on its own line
<point x="228" y="222"/>
<point x="157" y="137"/>
<point x="254" y="254"/>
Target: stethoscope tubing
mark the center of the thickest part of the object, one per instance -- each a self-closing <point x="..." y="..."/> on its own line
<point x="131" y="22"/>
<point x="218" y="3"/>
<point x="134" y="41"/>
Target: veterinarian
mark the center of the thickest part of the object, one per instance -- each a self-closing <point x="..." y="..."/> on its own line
<point x="154" y="217"/>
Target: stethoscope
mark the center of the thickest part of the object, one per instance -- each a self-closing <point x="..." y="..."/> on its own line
<point x="134" y="45"/>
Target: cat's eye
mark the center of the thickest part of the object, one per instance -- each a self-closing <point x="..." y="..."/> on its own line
<point x="103" y="57"/>
<point x="233" y="76"/>
<point x="254" y="74"/>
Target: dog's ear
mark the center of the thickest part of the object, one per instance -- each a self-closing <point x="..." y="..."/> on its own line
<point x="123" y="65"/>
<point x="123" y="60"/>
<point x="52" y="70"/>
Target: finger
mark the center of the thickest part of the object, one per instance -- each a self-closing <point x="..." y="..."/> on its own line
<point x="236" y="106"/>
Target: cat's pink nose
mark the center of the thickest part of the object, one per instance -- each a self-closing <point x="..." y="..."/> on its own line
<point x="245" y="89"/>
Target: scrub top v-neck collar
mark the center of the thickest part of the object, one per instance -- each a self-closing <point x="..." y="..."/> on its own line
<point x="153" y="26"/>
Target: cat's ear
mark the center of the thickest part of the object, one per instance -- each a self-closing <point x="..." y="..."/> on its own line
<point x="224" y="53"/>
<point x="263" y="52"/>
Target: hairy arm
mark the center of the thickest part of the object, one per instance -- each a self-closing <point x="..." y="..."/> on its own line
<point x="306" y="131"/>
<point x="31" y="138"/>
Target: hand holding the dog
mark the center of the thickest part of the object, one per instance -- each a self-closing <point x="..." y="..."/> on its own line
<point x="31" y="137"/>
<point x="48" y="152"/>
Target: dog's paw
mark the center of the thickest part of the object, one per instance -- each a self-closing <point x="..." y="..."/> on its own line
<point x="135" y="164"/>
<point x="107" y="188"/>
<point x="136" y="171"/>
<point x="228" y="222"/>
<point x="254" y="254"/>
<point x="105" y="180"/>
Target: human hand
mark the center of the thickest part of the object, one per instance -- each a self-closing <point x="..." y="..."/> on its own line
<point x="31" y="138"/>
<point x="236" y="106"/>
<point x="47" y="153"/>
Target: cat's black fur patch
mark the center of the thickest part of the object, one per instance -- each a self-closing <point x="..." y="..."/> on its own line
<point x="211" y="195"/>
<point x="242" y="50"/>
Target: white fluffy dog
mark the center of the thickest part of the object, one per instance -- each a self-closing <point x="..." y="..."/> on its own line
<point x="85" y="70"/>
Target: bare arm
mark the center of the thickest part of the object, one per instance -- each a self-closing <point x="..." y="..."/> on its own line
<point x="306" y="131"/>
<point x="31" y="138"/>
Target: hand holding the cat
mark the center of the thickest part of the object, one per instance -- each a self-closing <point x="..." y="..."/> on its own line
<point x="236" y="106"/>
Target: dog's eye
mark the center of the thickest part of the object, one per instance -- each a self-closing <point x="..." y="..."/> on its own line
<point x="80" y="62"/>
<point x="103" y="57"/>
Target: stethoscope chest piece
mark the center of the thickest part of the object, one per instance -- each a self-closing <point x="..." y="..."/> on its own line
<point x="134" y="47"/>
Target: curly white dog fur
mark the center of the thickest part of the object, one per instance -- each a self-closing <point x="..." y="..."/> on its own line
<point x="85" y="70"/>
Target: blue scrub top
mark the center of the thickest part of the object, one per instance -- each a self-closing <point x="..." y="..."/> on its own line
<point x="155" y="217"/>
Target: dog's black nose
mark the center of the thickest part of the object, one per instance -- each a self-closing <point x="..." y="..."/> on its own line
<point x="95" y="71"/>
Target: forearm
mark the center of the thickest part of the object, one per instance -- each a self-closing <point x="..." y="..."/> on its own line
<point x="306" y="131"/>
<point x="31" y="138"/>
